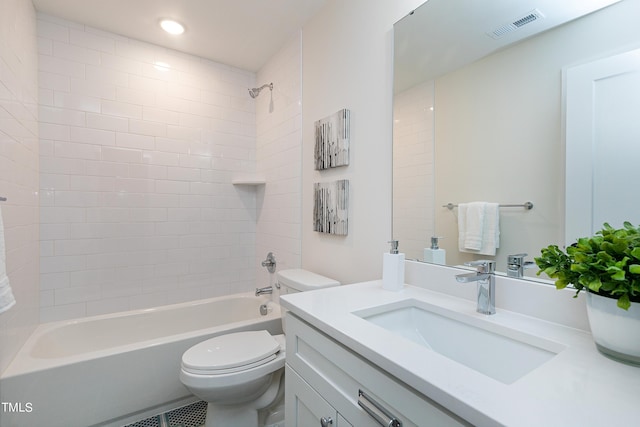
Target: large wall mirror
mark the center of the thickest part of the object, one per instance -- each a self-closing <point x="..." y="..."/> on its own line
<point x="479" y="114"/>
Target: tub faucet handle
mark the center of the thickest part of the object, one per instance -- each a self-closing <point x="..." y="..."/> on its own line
<point x="270" y="263"/>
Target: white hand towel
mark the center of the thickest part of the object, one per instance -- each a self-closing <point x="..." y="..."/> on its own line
<point x="490" y="229"/>
<point x="474" y="225"/>
<point x="6" y="295"/>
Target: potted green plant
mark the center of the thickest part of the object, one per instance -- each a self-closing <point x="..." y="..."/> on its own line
<point x="607" y="267"/>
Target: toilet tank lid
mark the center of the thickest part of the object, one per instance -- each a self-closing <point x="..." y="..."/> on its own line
<point x="304" y="280"/>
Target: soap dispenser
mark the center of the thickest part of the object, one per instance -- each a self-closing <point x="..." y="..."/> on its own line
<point x="434" y="254"/>
<point x="393" y="268"/>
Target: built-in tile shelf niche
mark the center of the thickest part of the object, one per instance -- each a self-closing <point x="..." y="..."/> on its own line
<point x="249" y="179"/>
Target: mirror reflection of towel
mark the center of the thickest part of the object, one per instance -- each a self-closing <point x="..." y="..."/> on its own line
<point x="479" y="227"/>
<point x="491" y="230"/>
<point x="474" y="225"/>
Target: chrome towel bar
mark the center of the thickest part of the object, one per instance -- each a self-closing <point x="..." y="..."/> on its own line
<point x="527" y="205"/>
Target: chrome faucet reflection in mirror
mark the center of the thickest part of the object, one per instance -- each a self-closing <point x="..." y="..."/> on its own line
<point x="516" y="265"/>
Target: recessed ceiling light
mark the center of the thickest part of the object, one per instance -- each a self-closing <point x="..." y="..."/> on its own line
<point x="172" y="27"/>
<point x="161" y="66"/>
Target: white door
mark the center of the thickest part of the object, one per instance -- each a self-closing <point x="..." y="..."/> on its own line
<point x="602" y="144"/>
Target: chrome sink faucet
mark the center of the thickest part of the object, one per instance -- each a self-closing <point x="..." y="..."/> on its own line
<point x="486" y="281"/>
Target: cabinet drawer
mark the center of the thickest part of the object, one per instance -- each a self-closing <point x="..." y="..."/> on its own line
<point x="337" y="374"/>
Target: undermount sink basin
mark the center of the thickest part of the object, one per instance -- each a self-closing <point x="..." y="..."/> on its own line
<point x="499" y="352"/>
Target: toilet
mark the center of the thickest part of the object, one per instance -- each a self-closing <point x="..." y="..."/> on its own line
<point x="239" y="374"/>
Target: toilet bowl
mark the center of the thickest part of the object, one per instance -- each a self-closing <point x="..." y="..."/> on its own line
<point x="236" y="374"/>
<point x="239" y="374"/>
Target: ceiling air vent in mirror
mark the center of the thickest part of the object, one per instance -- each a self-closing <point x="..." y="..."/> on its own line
<point x="517" y="23"/>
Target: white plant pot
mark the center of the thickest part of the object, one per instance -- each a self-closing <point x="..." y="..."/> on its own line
<point x="615" y="331"/>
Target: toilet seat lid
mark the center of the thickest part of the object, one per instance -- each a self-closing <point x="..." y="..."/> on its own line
<point x="226" y="352"/>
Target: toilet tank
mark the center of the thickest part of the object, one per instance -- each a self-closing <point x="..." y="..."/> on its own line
<point x="299" y="280"/>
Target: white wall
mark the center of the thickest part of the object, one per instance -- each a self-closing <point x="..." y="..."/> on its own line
<point x="137" y="205"/>
<point x="348" y="63"/>
<point x="19" y="170"/>
<point x="278" y="158"/>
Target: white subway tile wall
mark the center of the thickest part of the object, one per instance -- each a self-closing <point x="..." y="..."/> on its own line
<point x="279" y="160"/>
<point x="138" y="148"/>
<point x="19" y="171"/>
<point x="413" y="157"/>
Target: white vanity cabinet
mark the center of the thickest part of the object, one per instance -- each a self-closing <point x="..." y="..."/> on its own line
<point x="305" y="407"/>
<point x="324" y="380"/>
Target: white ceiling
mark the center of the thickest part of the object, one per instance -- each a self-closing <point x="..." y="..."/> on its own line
<point x="240" y="33"/>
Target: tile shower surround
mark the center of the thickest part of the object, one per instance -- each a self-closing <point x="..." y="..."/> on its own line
<point x="279" y="160"/>
<point x="136" y="162"/>
<point x="19" y="170"/>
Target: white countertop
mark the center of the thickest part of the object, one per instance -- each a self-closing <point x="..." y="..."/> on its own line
<point x="577" y="387"/>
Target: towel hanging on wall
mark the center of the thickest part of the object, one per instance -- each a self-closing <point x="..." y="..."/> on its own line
<point x="7" y="299"/>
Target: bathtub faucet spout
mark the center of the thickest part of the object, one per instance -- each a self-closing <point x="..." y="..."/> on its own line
<point x="265" y="290"/>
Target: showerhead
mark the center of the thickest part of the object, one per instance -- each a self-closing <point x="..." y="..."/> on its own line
<point x="254" y="92"/>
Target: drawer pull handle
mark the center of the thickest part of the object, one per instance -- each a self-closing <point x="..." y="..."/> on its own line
<point x="377" y="412"/>
<point x="325" y="422"/>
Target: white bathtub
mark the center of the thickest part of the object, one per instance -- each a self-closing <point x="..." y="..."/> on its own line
<point x="113" y="369"/>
